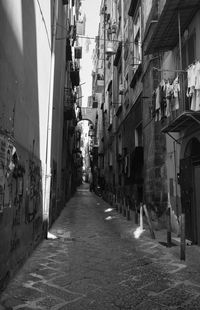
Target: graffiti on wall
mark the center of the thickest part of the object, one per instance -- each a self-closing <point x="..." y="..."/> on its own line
<point x="33" y="192"/>
<point x="8" y="160"/>
<point x="17" y="191"/>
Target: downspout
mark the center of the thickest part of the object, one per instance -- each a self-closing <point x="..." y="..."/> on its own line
<point x="123" y="77"/>
<point x="122" y="29"/>
<point x="182" y="217"/>
<point x="47" y="185"/>
<point x="104" y="85"/>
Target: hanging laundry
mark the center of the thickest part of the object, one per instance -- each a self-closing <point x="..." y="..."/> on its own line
<point x="167" y="97"/>
<point x="169" y="92"/>
<point x="193" y="91"/>
<point x="197" y="75"/>
<point x="163" y="99"/>
<point x="87" y="45"/>
<point x="78" y="52"/>
<point x="158" y="100"/>
<point x="197" y="99"/>
<point x="176" y="91"/>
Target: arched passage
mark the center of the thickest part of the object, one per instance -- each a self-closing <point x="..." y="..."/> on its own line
<point x="89" y="114"/>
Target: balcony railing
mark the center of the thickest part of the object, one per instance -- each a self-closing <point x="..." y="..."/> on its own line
<point x="165" y="35"/>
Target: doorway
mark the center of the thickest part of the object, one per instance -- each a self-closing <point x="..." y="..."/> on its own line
<point x="190" y="193"/>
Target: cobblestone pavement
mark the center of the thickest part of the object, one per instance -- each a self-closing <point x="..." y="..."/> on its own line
<point x="96" y="263"/>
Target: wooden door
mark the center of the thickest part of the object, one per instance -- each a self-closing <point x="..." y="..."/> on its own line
<point x="197" y="199"/>
<point x="186" y="182"/>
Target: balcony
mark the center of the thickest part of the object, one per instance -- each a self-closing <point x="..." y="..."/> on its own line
<point x="166" y="33"/>
<point x="185" y="114"/>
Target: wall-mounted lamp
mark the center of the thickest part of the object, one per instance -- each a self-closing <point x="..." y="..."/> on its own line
<point x="110" y="49"/>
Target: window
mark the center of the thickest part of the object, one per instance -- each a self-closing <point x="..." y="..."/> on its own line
<point x="120" y="144"/>
<point x="126" y="82"/>
<point x="110" y="107"/>
<point x="138" y="136"/>
<point x="137" y="38"/>
<point x="188" y="50"/>
<point x="119" y="85"/>
<point x="95" y="104"/>
<point x="110" y="158"/>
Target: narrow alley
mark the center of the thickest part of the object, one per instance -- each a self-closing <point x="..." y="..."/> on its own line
<point x="93" y="261"/>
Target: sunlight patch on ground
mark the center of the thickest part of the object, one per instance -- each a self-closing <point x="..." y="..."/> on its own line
<point x="51" y="236"/>
<point x="108" y="218"/>
<point x="108" y="210"/>
<point x="138" y="232"/>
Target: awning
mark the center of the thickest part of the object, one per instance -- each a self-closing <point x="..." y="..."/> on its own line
<point x="166" y="34"/>
<point x="182" y="122"/>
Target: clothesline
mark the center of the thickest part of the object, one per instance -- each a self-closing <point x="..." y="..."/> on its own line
<point x="168" y="70"/>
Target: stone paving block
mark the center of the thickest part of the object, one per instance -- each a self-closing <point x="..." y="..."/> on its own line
<point x="62" y="281"/>
<point x="48" y="302"/>
<point x="86" y="304"/>
<point x="150" y="306"/>
<point x="57" y="292"/>
<point x="10" y="302"/>
<point x="26" y="308"/>
<point x="193" y="304"/>
<point x="173" y="297"/>
<point x="157" y="287"/>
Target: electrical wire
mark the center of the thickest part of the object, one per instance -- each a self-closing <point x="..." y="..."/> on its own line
<point x="45" y="25"/>
<point x="96" y="38"/>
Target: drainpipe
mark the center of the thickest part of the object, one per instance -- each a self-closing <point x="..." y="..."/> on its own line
<point x="122" y="29"/>
<point x="47" y="185"/>
<point x="104" y="51"/>
<point x="104" y="85"/>
<point x="182" y="217"/>
<point x="123" y="77"/>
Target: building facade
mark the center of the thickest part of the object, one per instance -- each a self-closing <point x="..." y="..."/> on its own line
<point x="149" y="107"/>
<point x="36" y="131"/>
<point x="177" y="110"/>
